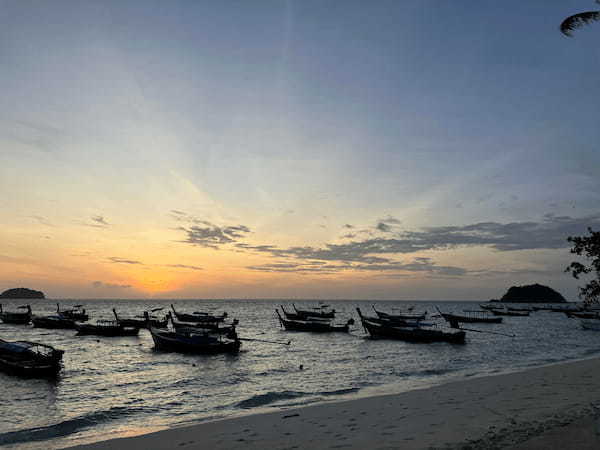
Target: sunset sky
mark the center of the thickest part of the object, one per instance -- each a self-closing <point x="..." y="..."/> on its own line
<point x="297" y="149"/>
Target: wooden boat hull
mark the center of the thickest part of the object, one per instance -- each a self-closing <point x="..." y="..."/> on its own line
<point x="134" y="323"/>
<point x="16" y="318"/>
<point x="413" y="334"/>
<point x="397" y="323"/>
<point x="489" y="307"/>
<point x="78" y="317"/>
<point x="29" y="368"/>
<point x="200" y="328"/>
<point x="470" y="319"/>
<point x="184" y="317"/>
<point x="30" y="359"/>
<point x="399" y="317"/>
<point x="190" y="343"/>
<point x="87" y="329"/>
<point x="53" y="322"/>
<point x="510" y="313"/>
<point x="583" y="315"/>
<point x="315" y="326"/>
<point x="305" y="314"/>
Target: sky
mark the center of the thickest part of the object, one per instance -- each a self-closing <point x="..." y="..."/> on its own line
<point x="295" y="149"/>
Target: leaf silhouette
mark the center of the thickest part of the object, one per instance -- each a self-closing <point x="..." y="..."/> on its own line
<point x="577" y="21"/>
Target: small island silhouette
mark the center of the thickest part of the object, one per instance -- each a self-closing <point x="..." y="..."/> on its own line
<point x="22" y="293"/>
<point x="532" y="293"/>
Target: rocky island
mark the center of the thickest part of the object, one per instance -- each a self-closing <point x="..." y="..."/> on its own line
<point x="532" y="293"/>
<point x="20" y="293"/>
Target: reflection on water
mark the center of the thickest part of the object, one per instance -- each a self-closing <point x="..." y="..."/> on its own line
<point x="121" y="386"/>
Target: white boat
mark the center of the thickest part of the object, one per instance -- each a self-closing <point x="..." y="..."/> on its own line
<point x="590" y="324"/>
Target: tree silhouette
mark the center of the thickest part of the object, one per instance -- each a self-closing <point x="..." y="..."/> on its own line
<point x="575" y="21"/>
<point x="588" y="246"/>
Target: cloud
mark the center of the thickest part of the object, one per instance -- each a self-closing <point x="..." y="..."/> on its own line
<point x="42" y="220"/>
<point x="117" y="260"/>
<point x="213" y="236"/>
<point x="184" y="266"/>
<point x="100" y="221"/>
<point x="551" y="233"/>
<point x="377" y="253"/>
<point x="101" y="284"/>
<point x="423" y="265"/>
<point x="297" y="268"/>
<point x="348" y="226"/>
<point x="206" y="234"/>
<point x="96" y="222"/>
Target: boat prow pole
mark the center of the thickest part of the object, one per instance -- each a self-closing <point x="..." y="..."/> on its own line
<point x="489" y="332"/>
<point x="264" y="340"/>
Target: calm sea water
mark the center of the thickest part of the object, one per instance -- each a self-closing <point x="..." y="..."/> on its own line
<point x="114" y="387"/>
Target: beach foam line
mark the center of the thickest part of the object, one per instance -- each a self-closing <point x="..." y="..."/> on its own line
<point x="273" y="397"/>
<point x="446" y="416"/>
<point x="68" y="426"/>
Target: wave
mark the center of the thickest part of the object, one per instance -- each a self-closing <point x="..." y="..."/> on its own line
<point x="272" y="397"/>
<point x="69" y="426"/>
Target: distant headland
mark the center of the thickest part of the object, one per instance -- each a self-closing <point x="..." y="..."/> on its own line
<point x="22" y="293"/>
<point x="532" y="293"/>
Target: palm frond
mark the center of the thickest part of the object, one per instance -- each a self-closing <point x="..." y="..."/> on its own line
<point x="577" y="21"/>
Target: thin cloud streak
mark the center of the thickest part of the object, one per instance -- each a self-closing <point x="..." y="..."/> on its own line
<point x="118" y="260"/>
<point x="183" y="266"/>
<point x="101" y="284"/>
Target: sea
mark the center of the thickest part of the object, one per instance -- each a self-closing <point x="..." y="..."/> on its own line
<point x="122" y="386"/>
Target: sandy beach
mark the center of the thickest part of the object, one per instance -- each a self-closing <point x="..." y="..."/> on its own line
<point x="542" y="408"/>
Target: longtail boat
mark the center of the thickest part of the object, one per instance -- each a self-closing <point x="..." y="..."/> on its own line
<point x="193" y="342"/>
<point x="76" y="313"/>
<point x="54" y="322"/>
<point x="198" y="316"/>
<point x="296" y="316"/>
<point x="108" y="328"/>
<point x="205" y="327"/>
<point x="153" y="321"/>
<point x="505" y="312"/>
<point x="318" y="326"/>
<point x="137" y="323"/>
<point x="16" y="318"/>
<point x="392" y="330"/>
<point x="520" y="309"/>
<point x="319" y="312"/>
<point x="29" y="358"/>
<point x="490" y="307"/>
<point x="146" y="320"/>
<point x="469" y="317"/>
<point x="399" y="317"/>
<point x="398" y="322"/>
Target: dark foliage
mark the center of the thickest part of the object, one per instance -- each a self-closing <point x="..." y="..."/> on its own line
<point x="575" y="21"/>
<point x="588" y="246"/>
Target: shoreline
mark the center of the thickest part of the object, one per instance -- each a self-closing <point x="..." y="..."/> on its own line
<point x="491" y="411"/>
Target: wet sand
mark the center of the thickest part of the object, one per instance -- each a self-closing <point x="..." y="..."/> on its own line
<point x="547" y="407"/>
